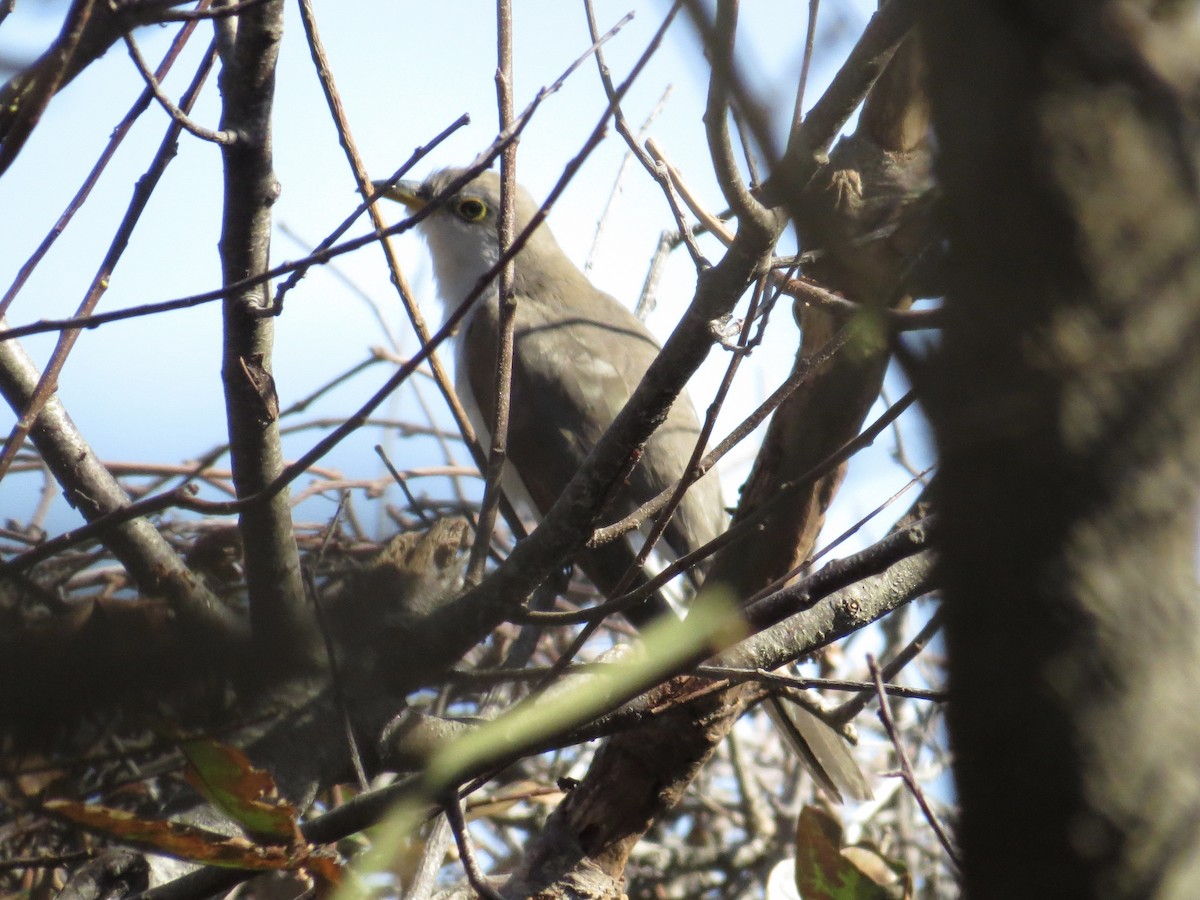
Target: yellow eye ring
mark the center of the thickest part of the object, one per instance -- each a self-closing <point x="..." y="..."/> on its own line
<point x="472" y="209"/>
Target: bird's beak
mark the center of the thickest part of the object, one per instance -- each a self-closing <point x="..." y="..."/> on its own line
<point x="406" y="192"/>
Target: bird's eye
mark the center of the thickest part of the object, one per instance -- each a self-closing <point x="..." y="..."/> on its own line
<point x="472" y="209"/>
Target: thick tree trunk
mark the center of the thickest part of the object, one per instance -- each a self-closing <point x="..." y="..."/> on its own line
<point x="1066" y="403"/>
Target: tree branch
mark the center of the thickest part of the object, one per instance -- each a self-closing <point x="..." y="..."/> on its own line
<point x="279" y="614"/>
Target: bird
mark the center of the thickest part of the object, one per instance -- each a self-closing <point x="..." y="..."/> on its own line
<point x="578" y="355"/>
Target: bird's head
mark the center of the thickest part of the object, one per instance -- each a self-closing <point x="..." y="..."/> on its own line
<point x="461" y="229"/>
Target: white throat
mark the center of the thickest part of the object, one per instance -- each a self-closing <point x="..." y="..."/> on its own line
<point x="460" y="259"/>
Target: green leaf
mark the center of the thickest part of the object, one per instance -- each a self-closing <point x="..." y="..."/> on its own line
<point x="248" y="795"/>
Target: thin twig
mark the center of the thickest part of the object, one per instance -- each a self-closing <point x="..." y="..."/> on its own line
<point x="628" y="158"/>
<point x="694" y="469"/>
<point x="458" y="826"/>
<point x="414" y="504"/>
<point x="712" y="224"/>
<point x="433" y="854"/>
<point x="810" y="37"/>
<point x="370" y="302"/>
<point x="906" y="770"/>
<point x="808" y="563"/>
<point x="726" y="88"/>
<point x="177" y="114"/>
<point x="735" y="675"/>
<point x="335" y="679"/>
<point x="852" y="707"/>
<point x="195" y="15"/>
<point x="497" y="456"/>
<point x="45" y="862"/>
<point x="812" y="293"/>
<point x="745" y="428"/>
<point x="632" y="141"/>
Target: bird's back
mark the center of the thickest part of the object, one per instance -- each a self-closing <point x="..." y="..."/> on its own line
<point x="576" y="365"/>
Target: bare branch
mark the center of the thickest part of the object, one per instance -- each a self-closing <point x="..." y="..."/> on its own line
<point x="280" y="618"/>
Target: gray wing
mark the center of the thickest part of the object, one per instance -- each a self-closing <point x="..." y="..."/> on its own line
<point x="556" y="420"/>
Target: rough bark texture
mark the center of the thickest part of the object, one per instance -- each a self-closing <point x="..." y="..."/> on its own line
<point x="1065" y="403"/>
<point x="279" y="615"/>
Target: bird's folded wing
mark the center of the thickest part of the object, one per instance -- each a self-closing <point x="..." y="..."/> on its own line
<point x="572" y="374"/>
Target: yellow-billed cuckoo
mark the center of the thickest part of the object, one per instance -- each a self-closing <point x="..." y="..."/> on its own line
<point x="578" y="354"/>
